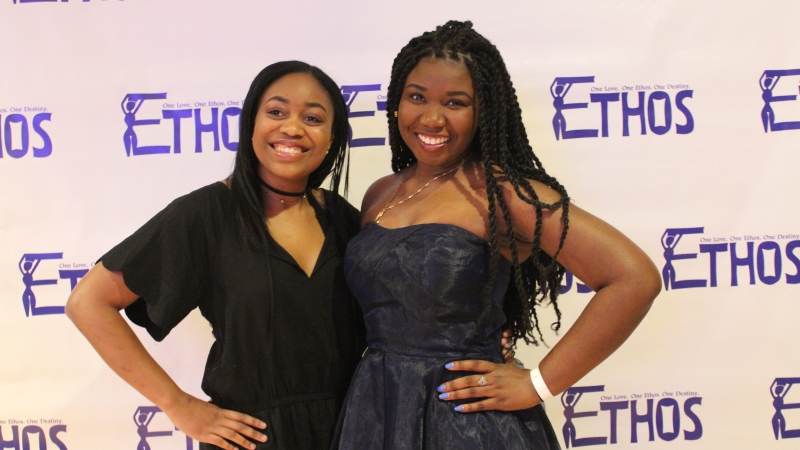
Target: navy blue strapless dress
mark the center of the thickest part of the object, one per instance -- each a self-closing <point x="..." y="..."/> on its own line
<point x="420" y="288"/>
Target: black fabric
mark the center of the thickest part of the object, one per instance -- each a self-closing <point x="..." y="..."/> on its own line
<point x="421" y="290"/>
<point x="286" y="360"/>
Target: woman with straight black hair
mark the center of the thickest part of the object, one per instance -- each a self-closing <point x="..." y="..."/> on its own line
<point x="260" y="254"/>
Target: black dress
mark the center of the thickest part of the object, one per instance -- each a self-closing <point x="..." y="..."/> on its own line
<point x="421" y="290"/>
<point x="286" y="343"/>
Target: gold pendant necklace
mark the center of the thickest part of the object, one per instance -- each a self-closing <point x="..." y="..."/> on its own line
<point x="387" y="207"/>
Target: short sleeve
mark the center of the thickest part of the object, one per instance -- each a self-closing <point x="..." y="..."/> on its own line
<point x="165" y="263"/>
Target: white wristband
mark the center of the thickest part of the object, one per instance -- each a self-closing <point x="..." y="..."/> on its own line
<point x="539" y="384"/>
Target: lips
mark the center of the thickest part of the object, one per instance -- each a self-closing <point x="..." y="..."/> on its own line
<point x="288" y="150"/>
<point x="434" y="141"/>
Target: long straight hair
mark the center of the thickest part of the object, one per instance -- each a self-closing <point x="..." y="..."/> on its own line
<point x="246" y="189"/>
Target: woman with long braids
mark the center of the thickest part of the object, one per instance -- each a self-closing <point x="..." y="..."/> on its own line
<point x="261" y="255"/>
<point x="470" y="233"/>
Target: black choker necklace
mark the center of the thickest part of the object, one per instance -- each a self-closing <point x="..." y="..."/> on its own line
<point x="299" y="195"/>
<point x="280" y="192"/>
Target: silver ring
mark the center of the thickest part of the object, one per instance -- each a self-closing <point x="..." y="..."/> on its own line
<point x="482" y="381"/>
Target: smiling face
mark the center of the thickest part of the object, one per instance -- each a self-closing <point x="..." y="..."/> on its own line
<point x="292" y="131"/>
<point x="437" y="114"/>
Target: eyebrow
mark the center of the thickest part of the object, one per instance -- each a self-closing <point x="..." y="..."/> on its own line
<point x="308" y="104"/>
<point x="450" y="93"/>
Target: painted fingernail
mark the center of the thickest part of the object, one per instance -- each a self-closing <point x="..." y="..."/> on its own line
<point x="449" y="366"/>
<point x="440" y="388"/>
<point x="459" y="408"/>
<point x="444" y="396"/>
<point x="508" y="345"/>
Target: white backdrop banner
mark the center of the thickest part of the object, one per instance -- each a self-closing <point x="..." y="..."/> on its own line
<point x="678" y="122"/>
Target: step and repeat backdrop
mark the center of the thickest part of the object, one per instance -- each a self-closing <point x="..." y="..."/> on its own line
<point x="676" y="121"/>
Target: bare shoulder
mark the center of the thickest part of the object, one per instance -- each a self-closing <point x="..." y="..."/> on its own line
<point x="522" y="208"/>
<point x="378" y="194"/>
<point x="543" y="192"/>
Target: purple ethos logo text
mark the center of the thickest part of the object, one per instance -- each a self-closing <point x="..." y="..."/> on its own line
<point x="22" y="132"/>
<point x="666" y="414"/>
<point x="362" y="107"/>
<point x="203" y="118"/>
<point x="66" y="271"/>
<point x="779" y="390"/>
<point x="143" y="418"/>
<point x="21" y="434"/>
<point x="651" y="104"/>
<point x="768" y="82"/>
<point x="770" y="256"/>
<point x="215" y="124"/>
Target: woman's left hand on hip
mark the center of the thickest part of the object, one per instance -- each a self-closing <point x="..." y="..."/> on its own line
<point x="502" y="387"/>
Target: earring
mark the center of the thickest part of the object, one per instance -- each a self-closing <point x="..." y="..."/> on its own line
<point x="395" y="113"/>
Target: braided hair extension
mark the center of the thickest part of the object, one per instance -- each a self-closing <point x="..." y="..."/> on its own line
<point x="506" y="155"/>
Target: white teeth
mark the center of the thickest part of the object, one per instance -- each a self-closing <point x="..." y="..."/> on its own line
<point x="430" y="140"/>
<point x="286" y="149"/>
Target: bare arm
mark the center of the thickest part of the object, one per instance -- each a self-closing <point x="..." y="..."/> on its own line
<point x="94" y="306"/>
<point x="626" y="283"/>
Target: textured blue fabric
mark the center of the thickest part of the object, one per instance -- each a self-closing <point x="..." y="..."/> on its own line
<point x="420" y="288"/>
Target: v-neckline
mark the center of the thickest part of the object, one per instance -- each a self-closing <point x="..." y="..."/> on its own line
<point x="286" y="256"/>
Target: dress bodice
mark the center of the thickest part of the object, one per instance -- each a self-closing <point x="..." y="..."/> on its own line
<point x="421" y="289"/>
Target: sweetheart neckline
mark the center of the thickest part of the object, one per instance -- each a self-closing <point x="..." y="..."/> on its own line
<point x="470" y="234"/>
